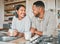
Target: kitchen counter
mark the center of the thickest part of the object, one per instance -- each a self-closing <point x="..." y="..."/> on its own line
<point x="6" y="43"/>
<point x="20" y="41"/>
<point x="23" y="41"/>
<point x="17" y="41"/>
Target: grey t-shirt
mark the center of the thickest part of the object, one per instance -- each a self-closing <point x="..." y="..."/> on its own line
<point x="47" y="24"/>
<point x="21" y="25"/>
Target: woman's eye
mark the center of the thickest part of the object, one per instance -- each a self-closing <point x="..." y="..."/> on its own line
<point x="21" y="10"/>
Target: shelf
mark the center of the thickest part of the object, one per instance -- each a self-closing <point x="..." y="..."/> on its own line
<point x="15" y="2"/>
<point x="9" y="21"/>
<point x="8" y="15"/>
<point x="57" y="8"/>
<point x="9" y="9"/>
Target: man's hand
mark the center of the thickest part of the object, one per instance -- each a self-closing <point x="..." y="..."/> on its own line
<point x="33" y="30"/>
<point x="39" y="33"/>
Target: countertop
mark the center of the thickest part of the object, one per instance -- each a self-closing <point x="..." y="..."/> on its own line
<point x="17" y="41"/>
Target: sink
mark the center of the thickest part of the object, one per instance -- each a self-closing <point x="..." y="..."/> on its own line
<point x="7" y="38"/>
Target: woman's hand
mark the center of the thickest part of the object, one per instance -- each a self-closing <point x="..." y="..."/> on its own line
<point x="21" y="34"/>
<point x="14" y="33"/>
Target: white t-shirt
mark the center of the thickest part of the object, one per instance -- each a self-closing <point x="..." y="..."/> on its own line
<point x="21" y="25"/>
<point x="46" y="25"/>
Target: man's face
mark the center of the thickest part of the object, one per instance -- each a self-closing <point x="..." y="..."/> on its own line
<point x="35" y="11"/>
<point x="38" y="11"/>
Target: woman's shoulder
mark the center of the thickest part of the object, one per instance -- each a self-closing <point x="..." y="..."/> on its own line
<point x="27" y="18"/>
<point x="14" y="18"/>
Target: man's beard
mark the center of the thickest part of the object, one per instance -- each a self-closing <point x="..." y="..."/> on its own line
<point x="37" y="15"/>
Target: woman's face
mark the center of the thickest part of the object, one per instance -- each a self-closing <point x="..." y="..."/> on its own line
<point x="21" y="12"/>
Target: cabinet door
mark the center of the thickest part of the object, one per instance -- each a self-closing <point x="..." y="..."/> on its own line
<point x="58" y="4"/>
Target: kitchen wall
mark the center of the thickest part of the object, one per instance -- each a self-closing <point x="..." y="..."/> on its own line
<point x="58" y="4"/>
<point x="49" y="4"/>
<point x="1" y="13"/>
<point x="29" y="4"/>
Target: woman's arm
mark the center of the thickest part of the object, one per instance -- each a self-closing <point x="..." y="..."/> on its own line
<point x="21" y="34"/>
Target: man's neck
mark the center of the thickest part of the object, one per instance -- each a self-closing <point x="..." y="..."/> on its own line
<point x="41" y="17"/>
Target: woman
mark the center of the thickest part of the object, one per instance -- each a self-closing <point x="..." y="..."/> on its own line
<point x="21" y="22"/>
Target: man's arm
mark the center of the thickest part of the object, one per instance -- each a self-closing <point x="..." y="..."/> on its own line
<point x="35" y="31"/>
<point x="39" y="33"/>
<point x="33" y="28"/>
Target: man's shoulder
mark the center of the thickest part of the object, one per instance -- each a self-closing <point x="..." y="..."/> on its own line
<point x="34" y="17"/>
<point x="49" y="13"/>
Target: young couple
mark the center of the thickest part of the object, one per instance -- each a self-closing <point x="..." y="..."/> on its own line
<point x="43" y="22"/>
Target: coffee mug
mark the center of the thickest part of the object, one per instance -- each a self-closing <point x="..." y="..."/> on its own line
<point x="27" y="35"/>
<point x="49" y="43"/>
<point x="11" y="32"/>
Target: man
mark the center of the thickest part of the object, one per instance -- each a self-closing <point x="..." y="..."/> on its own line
<point x="43" y="22"/>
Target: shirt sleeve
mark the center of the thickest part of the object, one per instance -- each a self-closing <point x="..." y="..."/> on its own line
<point x="33" y="22"/>
<point x="13" y="26"/>
<point x="27" y="24"/>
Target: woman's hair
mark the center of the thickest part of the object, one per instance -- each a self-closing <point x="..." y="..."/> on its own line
<point x="17" y="7"/>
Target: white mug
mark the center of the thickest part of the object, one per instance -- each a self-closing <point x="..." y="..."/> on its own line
<point x="49" y="43"/>
<point x="27" y="35"/>
<point x="11" y="32"/>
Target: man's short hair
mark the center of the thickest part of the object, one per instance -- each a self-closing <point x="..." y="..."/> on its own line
<point x="39" y="4"/>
